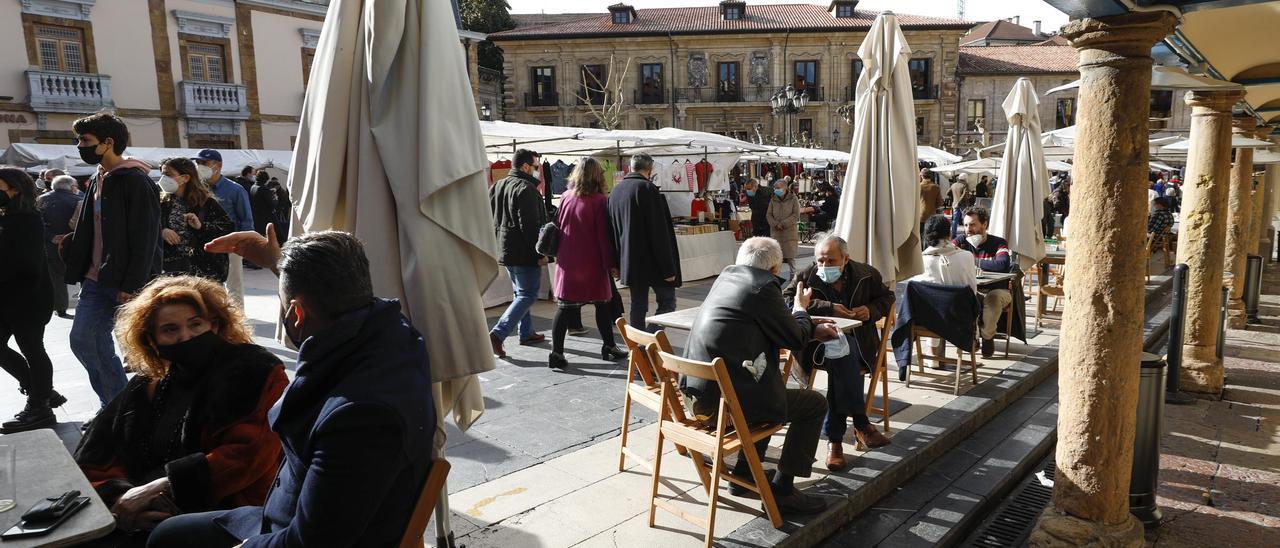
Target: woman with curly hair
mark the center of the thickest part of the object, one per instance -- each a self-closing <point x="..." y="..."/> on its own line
<point x="189" y="433"/>
<point x="28" y="305"/>
<point x="189" y="218"/>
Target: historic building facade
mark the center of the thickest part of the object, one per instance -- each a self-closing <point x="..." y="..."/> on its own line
<point x="715" y="68"/>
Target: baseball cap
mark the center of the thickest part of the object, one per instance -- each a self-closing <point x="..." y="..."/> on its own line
<point x="208" y="155"/>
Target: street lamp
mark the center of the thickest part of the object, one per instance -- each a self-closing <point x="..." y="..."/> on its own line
<point x="485" y="112"/>
<point x="835" y="137"/>
<point x="788" y="102"/>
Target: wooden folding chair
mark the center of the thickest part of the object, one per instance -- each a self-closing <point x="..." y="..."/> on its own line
<point x="729" y="434"/>
<point x="647" y="392"/>
<point x="917" y="332"/>
<point x="431" y="490"/>
<point x="1047" y="290"/>
<point x="881" y="373"/>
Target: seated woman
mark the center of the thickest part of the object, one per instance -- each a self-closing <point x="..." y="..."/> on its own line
<point x="944" y="263"/>
<point x="189" y="432"/>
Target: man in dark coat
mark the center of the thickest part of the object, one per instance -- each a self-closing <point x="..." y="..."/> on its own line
<point x="56" y="208"/>
<point x="518" y="215"/>
<point x="645" y="240"/>
<point x="263" y="202"/>
<point x="358" y="421"/>
<point x="745" y="321"/>
<point x="847" y="289"/>
<point x="758" y="200"/>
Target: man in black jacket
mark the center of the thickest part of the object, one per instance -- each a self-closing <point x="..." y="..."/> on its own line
<point x="645" y="240"/>
<point x="758" y="200"/>
<point x="358" y="421"/>
<point x="518" y="215"/>
<point x="56" y="208"/>
<point x="847" y="289"/>
<point x="115" y="249"/>
<point x="745" y="321"/>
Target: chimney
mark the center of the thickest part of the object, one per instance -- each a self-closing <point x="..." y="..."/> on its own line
<point x="1017" y="19"/>
<point x="1036" y="26"/>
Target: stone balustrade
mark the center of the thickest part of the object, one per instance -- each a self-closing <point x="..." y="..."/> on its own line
<point x="213" y="100"/>
<point x="68" y="92"/>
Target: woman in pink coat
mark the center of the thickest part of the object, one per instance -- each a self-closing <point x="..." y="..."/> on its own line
<point x="586" y="261"/>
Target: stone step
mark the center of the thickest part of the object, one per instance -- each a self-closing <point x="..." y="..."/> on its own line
<point x="878" y="474"/>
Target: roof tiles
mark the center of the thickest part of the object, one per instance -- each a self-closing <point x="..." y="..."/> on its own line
<point x="1017" y="59"/>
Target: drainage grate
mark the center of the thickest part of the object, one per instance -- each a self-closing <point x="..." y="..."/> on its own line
<point x="1013" y="520"/>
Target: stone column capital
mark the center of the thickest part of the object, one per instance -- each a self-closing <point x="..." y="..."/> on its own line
<point x="1219" y="100"/>
<point x="1122" y="36"/>
<point x="1244" y="125"/>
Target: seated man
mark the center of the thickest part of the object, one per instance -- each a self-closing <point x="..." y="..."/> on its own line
<point x="992" y="254"/>
<point x="847" y="289"/>
<point x="357" y="422"/>
<point x="744" y="319"/>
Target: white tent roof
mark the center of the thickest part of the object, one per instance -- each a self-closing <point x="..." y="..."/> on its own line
<point x="1237" y="141"/>
<point x="936" y="155"/>
<point x="67" y="157"/>
<point x="981" y="165"/>
<point x="1163" y="77"/>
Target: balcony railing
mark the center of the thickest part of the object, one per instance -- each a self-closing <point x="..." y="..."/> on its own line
<point x="549" y="99"/>
<point x="758" y="94"/>
<point x="68" y="92"/>
<point x="640" y="98"/>
<point x="213" y="100"/>
<point x="926" y="93"/>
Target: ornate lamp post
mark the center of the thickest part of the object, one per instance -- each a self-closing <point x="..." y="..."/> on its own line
<point x="789" y="102"/>
<point x="485" y="112"/>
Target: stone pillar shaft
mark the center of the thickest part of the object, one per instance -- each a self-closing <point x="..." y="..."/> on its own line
<point x="1101" y="342"/>
<point x="1272" y="178"/>
<point x="1201" y="233"/>
<point x="1239" y="217"/>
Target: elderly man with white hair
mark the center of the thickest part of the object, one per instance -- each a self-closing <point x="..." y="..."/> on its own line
<point x="745" y="321"/>
<point x="57" y="208"/>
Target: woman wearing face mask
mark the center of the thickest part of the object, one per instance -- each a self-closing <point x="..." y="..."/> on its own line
<point x="190" y="217"/>
<point x="28" y="305"/>
<point x="784" y="219"/>
<point x="189" y="433"/>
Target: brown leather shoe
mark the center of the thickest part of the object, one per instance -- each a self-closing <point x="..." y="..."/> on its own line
<point x="871" y="437"/>
<point x="835" y="456"/>
<point x="497" y="346"/>
<point x="533" y="339"/>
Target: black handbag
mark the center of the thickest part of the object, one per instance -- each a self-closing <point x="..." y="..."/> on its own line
<point x="548" y="240"/>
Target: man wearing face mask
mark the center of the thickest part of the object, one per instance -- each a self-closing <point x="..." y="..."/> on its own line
<point x="992" y="254"/>
<point x="758" y="200"/>
<point x="235" y="201"/>
<point x="115" y="249"/>
<point x="357" y="422"/>
<point x="848" y="289"/>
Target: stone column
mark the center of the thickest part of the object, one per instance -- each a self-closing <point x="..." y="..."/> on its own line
<point x="1239" y="217"/>
<point x="1263" y="200"/>
<point x="1202" y="231"/>
<point x="1272" y="179"/>
<point x="1101" y="342"/>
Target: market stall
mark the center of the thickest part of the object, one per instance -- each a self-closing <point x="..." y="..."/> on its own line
<point x="37" y="157"/>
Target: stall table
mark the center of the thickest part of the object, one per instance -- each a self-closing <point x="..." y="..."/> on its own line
<point x="705" y="255"/>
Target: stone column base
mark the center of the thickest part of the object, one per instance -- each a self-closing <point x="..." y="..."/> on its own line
<point x="1201" y="371"/>
<point x="1236" y="318"/>
<point x="1058" y="530"/>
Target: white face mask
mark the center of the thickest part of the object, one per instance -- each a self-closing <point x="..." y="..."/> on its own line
<point x="205" y="172"/>
<point x="168" y="185"/>
<point x="976" y="240"/>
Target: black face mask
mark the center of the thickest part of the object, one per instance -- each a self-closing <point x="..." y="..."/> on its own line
<point x="192" y="356"/>
<point x="89" y="154"/>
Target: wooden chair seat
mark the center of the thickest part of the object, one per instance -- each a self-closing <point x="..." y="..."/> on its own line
<point x="918" y="332"/>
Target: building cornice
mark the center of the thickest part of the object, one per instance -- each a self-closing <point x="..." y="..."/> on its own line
<point x="66" y="9"/>
<point x="310" y="37"/>
<point x="203" y="24"/>
<point x="311" y="8"/>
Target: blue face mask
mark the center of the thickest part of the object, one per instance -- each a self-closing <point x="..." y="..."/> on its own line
<point x="779" y="192"/>
<point x="751" y="193"/>
<point x="829" y="274"/>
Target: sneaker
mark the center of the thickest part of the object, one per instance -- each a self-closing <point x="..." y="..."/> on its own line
<point x="797" y="503"/>
<point x="578" y="331"/>
<point x="33" y="417"/>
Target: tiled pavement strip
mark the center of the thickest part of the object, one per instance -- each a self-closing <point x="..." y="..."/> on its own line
<point x="539" y="469"/>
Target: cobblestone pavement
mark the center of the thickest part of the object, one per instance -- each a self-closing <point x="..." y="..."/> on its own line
<point x="1220" y="461"/>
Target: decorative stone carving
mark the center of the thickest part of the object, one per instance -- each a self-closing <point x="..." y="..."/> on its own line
<point x="66" y="9"/>
<point x="759" y="68"/>
<point x="203" y="24"/>
<point x="213" y="127"/>
<point x="698" y="71"/>
<point x="310" y="38"/>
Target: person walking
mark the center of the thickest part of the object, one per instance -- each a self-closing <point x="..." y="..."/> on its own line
<point x="28" y="303"/>
<point x="784" y="221"/>
<point x="234" y="199"/>
<point x="191" y="218"/>
<point x="646" y="241"/>
<point x="115" y="249"/>
<point x="57" y="207"/>
<point x="264" y="202"/>
<point x="586" y="261"/>
<point x="518" y="215"/>
<point x="284" y="209"/>
<point x="758" y="200"/>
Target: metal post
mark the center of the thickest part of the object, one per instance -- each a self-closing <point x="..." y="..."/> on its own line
<point x="1252" y="288"/>
<point x="1145" y="477"/>
<point x="1222" y="324"/>
<point x="1177" y="331"/>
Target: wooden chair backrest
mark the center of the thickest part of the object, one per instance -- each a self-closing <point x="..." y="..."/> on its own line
<point x="637" y="340"/>
<point x="426" y="505"/>
<point x="717" y="372"/>
<point x="886" y="332"/>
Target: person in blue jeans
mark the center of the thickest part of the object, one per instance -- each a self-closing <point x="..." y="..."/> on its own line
<point x="115" y="249"/>
<point x="518" y="215"/>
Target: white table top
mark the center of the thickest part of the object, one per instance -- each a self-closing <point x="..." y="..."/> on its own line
<point x="683" y="320"/>
<point x="45" y="469"/>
